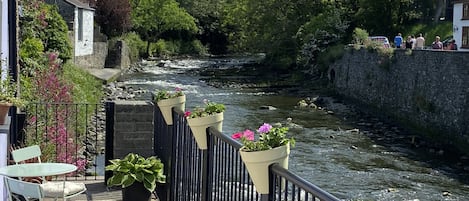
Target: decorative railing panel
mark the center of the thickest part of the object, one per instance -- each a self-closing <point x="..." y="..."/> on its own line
<point x="217" y="173"/>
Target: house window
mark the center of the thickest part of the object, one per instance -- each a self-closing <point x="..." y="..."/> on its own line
<point x="465" y="11"/>
<point x="80" y="24"/>
<point x="465" y="37"/>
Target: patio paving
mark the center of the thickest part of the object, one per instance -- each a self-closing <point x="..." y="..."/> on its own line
<point x="98" y="191"/>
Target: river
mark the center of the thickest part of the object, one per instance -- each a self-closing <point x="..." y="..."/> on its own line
<point x="329" y="151"/>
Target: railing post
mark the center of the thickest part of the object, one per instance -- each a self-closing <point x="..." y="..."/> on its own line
<point x="207" y="169"/>
<point x="163" y="146"/>
<point x="108" y="155"/>
<point x="205" y="180"/>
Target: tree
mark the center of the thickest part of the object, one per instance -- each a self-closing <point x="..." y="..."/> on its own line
<point x="113" y="16"/>
<point x="151" y="18"/>
<point x="270" y="26"/>
<point x="209" y="15"/>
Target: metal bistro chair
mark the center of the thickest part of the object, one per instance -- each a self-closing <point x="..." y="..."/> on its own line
<point x="30" y="153"/>
<point x="26" y="189"/>
<point x="55" y="190"/>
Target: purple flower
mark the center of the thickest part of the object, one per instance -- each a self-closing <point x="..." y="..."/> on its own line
<point x="265" y="128"/>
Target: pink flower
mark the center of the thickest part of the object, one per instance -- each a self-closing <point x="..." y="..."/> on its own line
<point x="187" y="113"/>
<point x="248" y="134"/>
<point x="237" y="135"/>
<point x="178" y="89"/>
<point x="265" y="128"/>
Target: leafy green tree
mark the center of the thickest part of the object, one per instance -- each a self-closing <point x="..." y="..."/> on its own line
<point x="319" y="33"/>
<point x="56" y="35"/>
<point x="151" y="18"/>
<point x="385" y="17"/>
<point x="270" y="26"/>
<point x="209" y="15"/>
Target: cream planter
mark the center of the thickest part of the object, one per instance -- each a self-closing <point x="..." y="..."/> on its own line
<point x="199" y="127"/>
<point x="166" y="106"/>
<point x="257" y="163"/>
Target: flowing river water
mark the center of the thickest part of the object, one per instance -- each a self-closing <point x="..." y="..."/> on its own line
<point x="378" y="163"/>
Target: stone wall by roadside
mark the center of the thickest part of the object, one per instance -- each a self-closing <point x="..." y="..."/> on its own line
<point x="425" y="90"/>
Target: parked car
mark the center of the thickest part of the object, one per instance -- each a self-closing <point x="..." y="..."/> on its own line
<point x="381" y="39"/>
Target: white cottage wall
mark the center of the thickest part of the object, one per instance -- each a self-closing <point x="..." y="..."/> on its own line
<point x="458" y="24"/>
<point x="85" y="46"/>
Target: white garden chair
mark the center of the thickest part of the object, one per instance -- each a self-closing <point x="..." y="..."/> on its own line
<point x="55" y="190"/>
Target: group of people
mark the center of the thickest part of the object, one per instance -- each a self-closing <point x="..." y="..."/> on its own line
<point x="418" y="43"/>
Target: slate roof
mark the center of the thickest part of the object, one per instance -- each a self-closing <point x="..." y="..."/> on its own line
<point x="79" y="4"/>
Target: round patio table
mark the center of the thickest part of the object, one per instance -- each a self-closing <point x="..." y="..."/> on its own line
<point x="37" y="169"/>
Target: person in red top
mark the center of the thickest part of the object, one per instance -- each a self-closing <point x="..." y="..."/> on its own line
<point x="452" y="45"/>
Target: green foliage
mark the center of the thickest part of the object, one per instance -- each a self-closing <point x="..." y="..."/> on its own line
<point x="134" y="42"/>
<point x="177" y="47"/>
<point x="429" y="31"/>
<point x="320" y="33"/>
<point x="42" y="21"/>
<point x="31" y="54"/>
<point x="56" y="35"/>
<point x="210" y="108"/>
<point x="86" y="88"/>
<point x="8" y="93"/>
<point x="31" y="48"/>
<point x="360" y="36"/>
<point x="133" y="168"/>
<point x="151" y="18"/>
<point x="329" y="56"/>
<point x="163" y="94"/>
<point x="383" y="17"/>
<point x="269" y="137"/>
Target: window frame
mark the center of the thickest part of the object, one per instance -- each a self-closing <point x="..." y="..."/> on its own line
<point x="80" y="24"/>
<point x="465" y="37"/>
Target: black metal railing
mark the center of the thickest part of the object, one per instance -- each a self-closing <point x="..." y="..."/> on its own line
<point x="66" y="132"/>
<point x="217" y="173"/>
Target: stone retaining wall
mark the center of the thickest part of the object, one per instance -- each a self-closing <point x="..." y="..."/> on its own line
<point x="426" y="90"/>
<point x="133" y="128"/>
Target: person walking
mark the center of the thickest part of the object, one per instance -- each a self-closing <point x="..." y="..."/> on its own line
<point x="437" y="44"/>
<point x="419" y="42"/>
<point x="398" y="40"/>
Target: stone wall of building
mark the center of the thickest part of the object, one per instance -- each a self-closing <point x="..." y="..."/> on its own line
<point x="425" y="90"/>
<point x="95" y="60"/>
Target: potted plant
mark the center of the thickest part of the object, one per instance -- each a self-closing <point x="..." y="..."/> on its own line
<point x="272" y="146"/>
<point x="8" y="97"/>
<point x="136" y="175"/>
<point x="211" y="115"/>
<point x="166" y="101"/>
